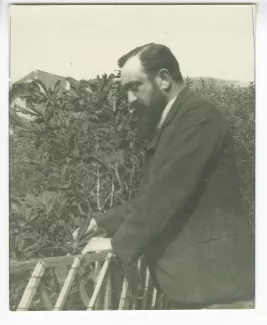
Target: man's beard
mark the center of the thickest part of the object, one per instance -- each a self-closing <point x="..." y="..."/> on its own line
<point x="149" y="115"/>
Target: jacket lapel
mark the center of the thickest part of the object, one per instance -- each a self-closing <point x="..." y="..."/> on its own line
<point x="175" y="107"/>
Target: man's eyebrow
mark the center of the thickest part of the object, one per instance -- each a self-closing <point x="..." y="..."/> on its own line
<point x="130" y="84"/>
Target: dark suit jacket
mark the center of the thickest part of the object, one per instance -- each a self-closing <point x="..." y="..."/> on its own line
<point x="187" y="218"/>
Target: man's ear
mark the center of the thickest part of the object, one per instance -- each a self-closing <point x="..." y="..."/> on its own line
<point x="163" y="79"/>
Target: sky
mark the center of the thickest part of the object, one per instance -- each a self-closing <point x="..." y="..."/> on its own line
<point x="83" y="41"/>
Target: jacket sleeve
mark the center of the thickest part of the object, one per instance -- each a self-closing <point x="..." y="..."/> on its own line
<point x="174" y="179"/>
<point x="111" y="220"/>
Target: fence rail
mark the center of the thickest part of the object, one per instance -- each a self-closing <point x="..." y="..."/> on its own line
<point x="17" y="268"/>
<point x="106" y="295"/>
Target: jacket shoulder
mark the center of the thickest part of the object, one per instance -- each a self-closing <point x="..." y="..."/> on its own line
<point x="197" y="107"/>
<point x="196" y="101"/>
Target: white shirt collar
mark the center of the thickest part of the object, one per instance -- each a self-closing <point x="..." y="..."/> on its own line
<point x="166" y="111"/>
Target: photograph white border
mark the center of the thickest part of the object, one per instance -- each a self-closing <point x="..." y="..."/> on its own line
<point x="257" y="316"/>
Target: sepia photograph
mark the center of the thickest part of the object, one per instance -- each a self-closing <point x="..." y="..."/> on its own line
<point x="131" y="157"/>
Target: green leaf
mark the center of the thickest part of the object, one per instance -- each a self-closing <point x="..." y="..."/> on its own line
<point x="31" y="199"/>
<point x="32" y="216"/>
<point x="43" y="86"/>
<point x="57" y="87"/>
<point x="61" y="272"/>
<point x="47" y="197"/>
<point x="77" y="153"/>
<point x="85" y="126"/>
<point x="101" y="85"/>
<point x="21" y="243"/>
<point x="49" y="112"/>
<point x="45" y="297"/>
<point x="25" y="111"/>
<point x="17" y="120"/>
<point x="65" y="173"/>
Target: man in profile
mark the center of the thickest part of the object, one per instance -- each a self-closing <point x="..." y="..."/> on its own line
<point x="187" y="218"/>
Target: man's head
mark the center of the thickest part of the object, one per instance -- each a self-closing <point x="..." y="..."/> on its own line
<point x="150" y="74"/>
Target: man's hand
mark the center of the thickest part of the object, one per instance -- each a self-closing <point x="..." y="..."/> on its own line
<point x="96" y="244"/>
<point x="91" y="228"/>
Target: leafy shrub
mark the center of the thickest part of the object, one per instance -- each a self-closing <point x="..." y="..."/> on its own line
<point x="238" y="107"/>
<point x="88" y="160"/>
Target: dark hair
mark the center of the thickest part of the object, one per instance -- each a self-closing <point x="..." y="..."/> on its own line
<point x="154" y="57"/>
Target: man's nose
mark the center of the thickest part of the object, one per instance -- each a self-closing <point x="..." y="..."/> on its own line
<point x="131" y="97"/>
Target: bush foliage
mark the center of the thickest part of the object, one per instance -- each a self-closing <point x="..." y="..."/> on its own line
<point x="79" y="154"/>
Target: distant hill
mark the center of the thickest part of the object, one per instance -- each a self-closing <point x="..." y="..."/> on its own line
<point x="222" y="82"/>
<point x="49" y="79"/>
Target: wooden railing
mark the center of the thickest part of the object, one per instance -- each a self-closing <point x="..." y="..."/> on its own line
<point x="107" y="294"/>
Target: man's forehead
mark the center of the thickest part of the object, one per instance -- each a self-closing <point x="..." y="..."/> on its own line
<point x="132" y="70"/>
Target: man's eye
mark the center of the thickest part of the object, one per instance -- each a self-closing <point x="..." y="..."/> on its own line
<point x="134" y="88"/>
